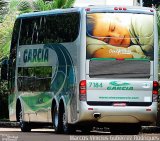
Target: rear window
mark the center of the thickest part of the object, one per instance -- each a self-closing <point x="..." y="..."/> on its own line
<point x="119" y="69"/>
<point x="119" y="35"/>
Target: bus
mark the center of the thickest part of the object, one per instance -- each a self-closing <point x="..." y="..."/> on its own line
<point x="80" y="68"/>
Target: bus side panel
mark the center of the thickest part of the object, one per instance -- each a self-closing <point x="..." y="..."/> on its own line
<point x="69" y="90"/>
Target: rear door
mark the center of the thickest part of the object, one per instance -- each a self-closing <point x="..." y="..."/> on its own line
<point x="119" y="81"/>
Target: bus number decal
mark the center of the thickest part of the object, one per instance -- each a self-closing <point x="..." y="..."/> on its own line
<point x="95" y="85"/>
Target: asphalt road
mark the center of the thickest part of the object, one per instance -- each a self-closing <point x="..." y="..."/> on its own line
<point x="14" y="134"/>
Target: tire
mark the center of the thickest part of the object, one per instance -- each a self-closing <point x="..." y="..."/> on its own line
<point x="57" y="121"/>
<point x="67" y="128"/>
<point x="25" y="126"/>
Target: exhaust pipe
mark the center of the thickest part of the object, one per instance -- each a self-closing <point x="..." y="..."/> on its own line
<point x="96" y="115"/>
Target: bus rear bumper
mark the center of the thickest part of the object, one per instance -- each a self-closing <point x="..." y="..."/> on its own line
<point x="117" y="114"/>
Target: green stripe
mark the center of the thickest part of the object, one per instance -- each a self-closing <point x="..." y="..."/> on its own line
<point x="137" y="59"/>
<point x="92" y="59"/>
<point x="127" y="59"/>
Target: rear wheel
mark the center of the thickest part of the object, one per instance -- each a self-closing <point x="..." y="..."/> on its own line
<point x="57" y="120"/>
<point x="67" y="128"/>
<point x="25" y="126"/>
<point x="60" y="122"/>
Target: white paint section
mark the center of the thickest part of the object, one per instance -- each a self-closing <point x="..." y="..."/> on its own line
<point x="82" y="3"/>
<point x="147" y="99"/>
<point x="29" y="56"/>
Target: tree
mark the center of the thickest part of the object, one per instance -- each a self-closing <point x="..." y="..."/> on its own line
<point x="2" y="4"/>
<point x="3" y="9"/>
<point x="148" y="3"/>
<point x="6" y="28"/>
<point x="16" y="7"/>
<point x="42" y="5"/>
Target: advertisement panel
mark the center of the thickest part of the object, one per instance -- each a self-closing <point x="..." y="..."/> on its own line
<point x="120" y="35"/>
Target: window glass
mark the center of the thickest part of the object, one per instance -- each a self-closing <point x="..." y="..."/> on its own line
<point x="34" y="78"/>
<point x="50" y="29"/>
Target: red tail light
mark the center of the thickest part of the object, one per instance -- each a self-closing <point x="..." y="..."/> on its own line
<point x="82" y="90"/>
<point x="116" y="8"/>
<point x="119" y="104"/>
<point x="120" y="8"/>
<point x="124" y="8"/>
<point x="155" y="90"/>
<point x="87" y="9"/>
<point x="152" y="10"/>
<point x="155" y="87"/>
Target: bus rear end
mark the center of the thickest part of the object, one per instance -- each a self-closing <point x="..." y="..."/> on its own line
<point x="121" y="85"/>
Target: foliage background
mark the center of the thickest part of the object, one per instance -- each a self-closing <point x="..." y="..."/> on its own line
<point x="10" y="9"/>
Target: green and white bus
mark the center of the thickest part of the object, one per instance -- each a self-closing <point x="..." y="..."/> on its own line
<point x="81" y="68"/>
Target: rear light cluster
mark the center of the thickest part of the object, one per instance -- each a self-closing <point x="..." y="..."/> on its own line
<point x="82" y="90"/>
<point x="119" y="104"/>
<point x="120" y="8"/>
<point x="152" y="10"/>
<point x="87" y="9"/>
<point x="155" y="91"/>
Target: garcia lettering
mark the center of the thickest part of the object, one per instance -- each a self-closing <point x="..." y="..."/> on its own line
<point x="119" y="88"/>
<point x="35" y="55"/>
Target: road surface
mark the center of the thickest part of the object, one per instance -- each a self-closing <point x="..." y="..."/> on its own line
<point x="14" y="134"/>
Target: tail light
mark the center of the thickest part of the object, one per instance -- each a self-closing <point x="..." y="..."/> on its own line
<point x="152" y="10"/>
<point x="87" y="9"/>
<point x="82" y="90"/>
<point x="120" y="8"/>
<point x="155" y="91"/>
<point x="119" y="104"/>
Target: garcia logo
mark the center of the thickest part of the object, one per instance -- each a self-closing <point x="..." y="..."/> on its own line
<point x="118" y="85"/>
<point x="35" y="55"/>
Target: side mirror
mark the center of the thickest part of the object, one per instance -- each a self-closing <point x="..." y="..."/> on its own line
<point x="4" y="69"/>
